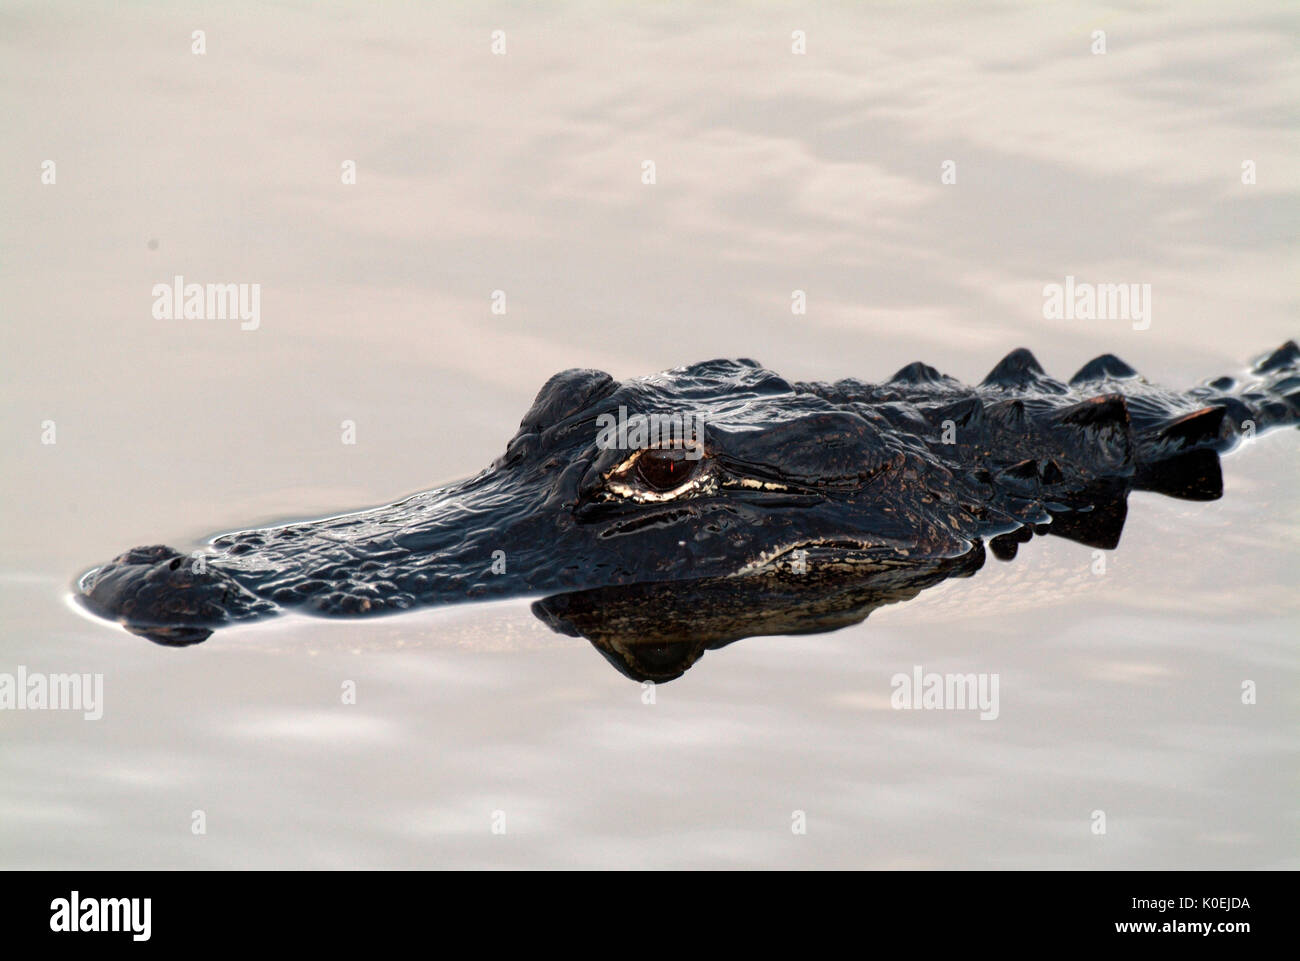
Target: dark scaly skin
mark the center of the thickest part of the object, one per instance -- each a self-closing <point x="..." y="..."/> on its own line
<point x="883" y="489"/>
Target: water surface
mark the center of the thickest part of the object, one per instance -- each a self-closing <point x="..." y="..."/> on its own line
<point x="1120" y="691"/>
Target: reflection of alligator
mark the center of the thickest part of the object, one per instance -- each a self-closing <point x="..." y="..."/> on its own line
<point x="657" y="631"/>
<point x="871" y="492"/>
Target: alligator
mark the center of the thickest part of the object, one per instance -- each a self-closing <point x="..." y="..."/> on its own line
<point x="791" y="507"/>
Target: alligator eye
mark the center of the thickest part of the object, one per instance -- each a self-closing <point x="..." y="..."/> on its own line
<point x="662" y="470"/>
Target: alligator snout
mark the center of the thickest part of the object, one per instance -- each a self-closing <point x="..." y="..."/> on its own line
<point x="166" y="596"/>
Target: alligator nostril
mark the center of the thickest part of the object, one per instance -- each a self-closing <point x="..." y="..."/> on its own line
<point x="175" y="564"/>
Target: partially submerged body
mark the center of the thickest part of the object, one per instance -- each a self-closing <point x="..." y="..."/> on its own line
<point x="791" y="507"/>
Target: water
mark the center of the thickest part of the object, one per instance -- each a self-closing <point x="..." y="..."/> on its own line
<point x="1120" y="691"/>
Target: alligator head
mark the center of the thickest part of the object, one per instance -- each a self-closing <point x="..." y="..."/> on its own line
<point x="713" y="470"/>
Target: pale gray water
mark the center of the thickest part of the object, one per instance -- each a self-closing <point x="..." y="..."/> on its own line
<point x="1119" y="692"/>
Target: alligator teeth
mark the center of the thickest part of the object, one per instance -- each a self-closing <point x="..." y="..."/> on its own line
<point x="772" y="560"/>
<point x="758" y="485"/>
